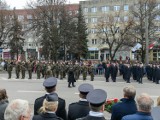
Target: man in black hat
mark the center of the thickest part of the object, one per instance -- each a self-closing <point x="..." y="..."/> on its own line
<point x="81" y="108"/>
<point x="49" y="108"/>
<point x="50" y="87"/>
<point x="96" y="99"/>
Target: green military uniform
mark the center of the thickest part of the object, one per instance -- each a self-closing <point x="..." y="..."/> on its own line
<point x="61" y="67"/>
<point x="91" y="72"/>
<point x="9" y="69"/>
<point x="77" y="71"/>
<point x="29" y="66"/>
<point x="84" y="69"/>
<point x="17" y="69"/>
<point x="53" y="70"/>
<point x="23" y="69"/>
<point x="44" y="69"/>
<point x="57" y="70"/>
<point x="38" y="70"/>
<point x="49" y="71"/>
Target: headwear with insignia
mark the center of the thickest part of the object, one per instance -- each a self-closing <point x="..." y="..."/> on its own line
<point x="52" y="97"/>
<point x="85" y="88"/>
<point x="97" y="97"/>
<point x="50" y="82"/>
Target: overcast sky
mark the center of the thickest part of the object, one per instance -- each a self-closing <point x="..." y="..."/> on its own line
<point x="21" y="3"/>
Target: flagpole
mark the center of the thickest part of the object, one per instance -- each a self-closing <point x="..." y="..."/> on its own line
<point x="147" y="40"/>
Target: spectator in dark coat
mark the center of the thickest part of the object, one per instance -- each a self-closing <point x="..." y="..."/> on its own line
<point x="50" y="87"/>
<point x="3" y="102"/>
<point x="50" y="105"/>
<point x="127" y="105"/>
<point x="144" y="104"/>
<point x="81" y="108"/>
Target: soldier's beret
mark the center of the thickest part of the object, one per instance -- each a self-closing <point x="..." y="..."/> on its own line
<point x="50" y="82"/>
<point x="97" y="96"/>
<point x="52" y="97"/>
<point x="85" y="88"/>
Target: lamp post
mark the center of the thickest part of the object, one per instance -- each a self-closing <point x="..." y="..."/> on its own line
<point x="147" y="40"/>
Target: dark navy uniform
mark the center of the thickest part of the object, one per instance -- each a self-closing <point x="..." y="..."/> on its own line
<point x="48" y="114"/>
<point x="97" y="101"/>
<point x="61" y="112"/>
<point x="80" y="109"/>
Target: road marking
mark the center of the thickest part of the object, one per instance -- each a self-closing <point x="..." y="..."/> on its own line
<point x="76" y="93"/>
<point x="154" y="96"/>
<point x="25" y="91"/>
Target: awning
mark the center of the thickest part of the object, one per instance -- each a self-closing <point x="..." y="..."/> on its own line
<point x="93" y="49"/>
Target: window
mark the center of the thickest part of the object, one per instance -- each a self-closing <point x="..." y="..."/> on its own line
<point x="158" y="6"/>
<point x="116" y="19"/>
<point x="126" y="7"/>
<point x="94" y="20"/>
<point x="85" y="10"/>
<point x="104" y="41"/>
<point x="94" y="41"/>
<point x="93" y="9"/>
<point x="20" y="17"/>
<point x="29" y="16"/>
<point x="93" y="30"/>
<point x="125" y="18"/>
<point x="157" y="17"/>
<point x="86" y="20"/>
<point x="92" y="54"/>
<point x="105" y="8"/>
<point x="116" y="8"/>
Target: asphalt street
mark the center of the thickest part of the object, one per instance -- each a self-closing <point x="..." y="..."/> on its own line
<point x="32" y="89"/>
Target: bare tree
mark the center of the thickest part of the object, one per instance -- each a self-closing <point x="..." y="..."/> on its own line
<point x="142" y="10"/>
<point x="114" y="32"/>
<point x="4" y="22"/>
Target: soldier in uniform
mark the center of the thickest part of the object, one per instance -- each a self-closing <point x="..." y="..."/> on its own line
<point x="44" y="69"/>
<point x="38" y="70"/>
<point x="71" y="78"/>
<point x="91" y="72"/>
<point x="53" y="69"/>
<point x="9" y="69"/>
<point x="96" y="105"/>
<point x="17" y="69"/>
<point x="61" y="68"/>
<point x="48" y="71"/>
<point x="57" y="67"/>
<point x="50" y="87"/>
<point x="84" y="71"/>
<point x="81" y="108"/>
<point x="114" y="70"/>
<point x="29" y="67"/>
<point x="23" y="69"/>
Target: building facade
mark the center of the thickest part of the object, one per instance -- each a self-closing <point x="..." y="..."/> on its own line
<point x="96" y="10"/>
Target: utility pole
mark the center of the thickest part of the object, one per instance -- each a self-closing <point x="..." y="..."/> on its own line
<point x="147" y="40"/>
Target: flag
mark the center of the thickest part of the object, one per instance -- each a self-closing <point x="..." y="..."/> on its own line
<point x="136" y="47"/>
<point x="152" y="45"/>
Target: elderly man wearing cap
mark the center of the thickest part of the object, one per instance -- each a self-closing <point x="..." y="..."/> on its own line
<point x="48" y="109"/>
<point x="96" y="99"/>
<point x="81" y="108"/>
<point x="50" y="87"/>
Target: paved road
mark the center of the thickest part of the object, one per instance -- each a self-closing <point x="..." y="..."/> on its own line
<point x="31" y="89"/>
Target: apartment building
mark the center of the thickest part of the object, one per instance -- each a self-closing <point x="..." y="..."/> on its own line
<point x="31" y="46"/>
<point x="94" y="11"/>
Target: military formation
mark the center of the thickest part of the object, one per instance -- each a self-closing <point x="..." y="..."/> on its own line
<point x="51" y="69"/>
<point x="73" y="70"/>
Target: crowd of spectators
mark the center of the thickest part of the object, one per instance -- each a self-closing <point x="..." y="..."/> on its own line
<point x="89" y="107"/>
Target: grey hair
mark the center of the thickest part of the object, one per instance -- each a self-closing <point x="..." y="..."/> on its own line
<point x="129" y="92"/>
<point x="144" y="102"/>
<point x="16" y="109"/>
